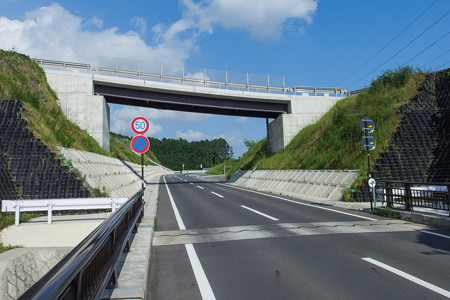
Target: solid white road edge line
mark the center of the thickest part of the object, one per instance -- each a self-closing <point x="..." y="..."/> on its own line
<point x="300" y="203"/>
<point x="437" y="234"/>
<point x="199" y="273"/>
<point x="217" y="194"/>
<point x="259" y="213"/>
<point x="200" y="276"/>
<point x="409" y="277"/>
<point x="174" y="207"/>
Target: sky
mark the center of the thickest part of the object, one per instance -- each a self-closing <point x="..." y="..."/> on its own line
<point x="324" y="43"/>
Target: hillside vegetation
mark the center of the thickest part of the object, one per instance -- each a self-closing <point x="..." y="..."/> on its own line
<point x="334" y="142"/>
<point x="173" y="153"/>
<point x="22" y="79"/>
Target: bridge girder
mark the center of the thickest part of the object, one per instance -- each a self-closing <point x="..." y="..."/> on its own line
<point x="189" y="103"/>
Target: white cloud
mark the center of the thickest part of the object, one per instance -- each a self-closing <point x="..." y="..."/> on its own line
<point x="141" y="24"/>
<point x="263" y="19"/>
<point x="241" y="120"/>
<point x="236" y="140"/>
<point x="191" y="135"/>
<point x="54" y="33"/>
<point x="121" y="121"/>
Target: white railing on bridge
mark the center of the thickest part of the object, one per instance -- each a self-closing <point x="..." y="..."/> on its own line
<point x="51" y="205"/>
<point x="190" y="76"/>
<point x="318" y="90"/>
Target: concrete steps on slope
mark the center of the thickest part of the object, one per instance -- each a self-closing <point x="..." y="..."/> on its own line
<point x="307" y="184"/>
<point x="116" y="177"/>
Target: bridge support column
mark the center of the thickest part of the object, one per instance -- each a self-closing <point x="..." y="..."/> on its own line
<point x="284" y="128"/>
<point x="76" y="97"/>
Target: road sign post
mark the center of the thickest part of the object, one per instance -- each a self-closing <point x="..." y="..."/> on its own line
<point x="368" y="142"/>
<point x="372" y="184"/>
<point x="140" y="144"/>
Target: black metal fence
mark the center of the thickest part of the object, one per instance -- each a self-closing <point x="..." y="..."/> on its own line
<point x="90" y="267"/>
<point x="429" y="195"/>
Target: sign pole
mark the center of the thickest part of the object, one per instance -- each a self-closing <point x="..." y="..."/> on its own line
<point x="142" y="169"/>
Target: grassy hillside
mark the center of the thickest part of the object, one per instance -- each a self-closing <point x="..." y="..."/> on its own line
<point x="22" y="79"/>
<point x="334" y="142"/>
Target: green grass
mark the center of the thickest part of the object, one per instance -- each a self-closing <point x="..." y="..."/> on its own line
<point x="334" y="142"/>
<point x="21" y="78"/>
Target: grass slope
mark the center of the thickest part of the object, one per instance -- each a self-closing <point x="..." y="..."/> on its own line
<point x="334" y="142"/>
<point x="21" y="78"/>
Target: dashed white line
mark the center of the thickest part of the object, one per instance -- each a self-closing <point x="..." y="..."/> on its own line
<point x="437" y="234"/>
<point x="200" y="187"/>
<point x="217" y="194"/>
<point x="259" y="213"/>
<point x="409" y="277"/>
<point x="301" y="203"/>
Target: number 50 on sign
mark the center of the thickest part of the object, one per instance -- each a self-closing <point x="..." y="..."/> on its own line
<point x="139" y="125"/>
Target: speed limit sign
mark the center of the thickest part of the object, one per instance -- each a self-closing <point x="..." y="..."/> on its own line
<point x="139" y="125"/>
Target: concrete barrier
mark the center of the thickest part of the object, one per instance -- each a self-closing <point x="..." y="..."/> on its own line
<point x="306" y="184"/>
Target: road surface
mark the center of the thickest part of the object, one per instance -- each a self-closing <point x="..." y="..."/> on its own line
<point x="214" y="241"/>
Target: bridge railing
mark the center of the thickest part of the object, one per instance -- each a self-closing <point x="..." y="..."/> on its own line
<point x="191" y="76"/>
<point x="310" y="90"/>
<point x="409" y="194"/>
<point x="90" y="267"/>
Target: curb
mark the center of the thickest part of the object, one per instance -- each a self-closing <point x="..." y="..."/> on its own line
<point x="134" y="272"/>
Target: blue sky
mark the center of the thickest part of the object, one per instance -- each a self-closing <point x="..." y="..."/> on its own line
<point x="312" y="43"/>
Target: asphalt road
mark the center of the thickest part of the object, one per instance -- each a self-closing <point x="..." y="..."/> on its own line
<point x="218" y="242"/>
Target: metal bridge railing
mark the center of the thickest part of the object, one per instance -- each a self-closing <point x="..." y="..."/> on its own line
<point x="410" y="194"/>
<point x="89" y="268"/>
<point x="191" y="76"/>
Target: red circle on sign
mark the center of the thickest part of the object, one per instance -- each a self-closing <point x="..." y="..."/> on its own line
<point x="140" y="144"/>
<point x="139" y="125"/>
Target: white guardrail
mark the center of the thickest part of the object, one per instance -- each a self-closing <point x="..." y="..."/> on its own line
<point x="51" y="205"/>
<point x="179" y="74"/>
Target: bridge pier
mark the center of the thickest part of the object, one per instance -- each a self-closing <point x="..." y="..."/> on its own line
<point x="76" y="97"/>
<point x="304" y="111"/>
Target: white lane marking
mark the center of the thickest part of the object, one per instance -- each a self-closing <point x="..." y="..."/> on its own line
<point x="200" y="187"/>
<point x="259" y="213"/>
<point x="437" y="234"/>
<point x="191" y="182"/>
<point x="174" y="207"/>
<point x="200" y="276"/>
<point x="409" y="277"/>
<point x="217" y="194"/>
<point x="304" y="204"/>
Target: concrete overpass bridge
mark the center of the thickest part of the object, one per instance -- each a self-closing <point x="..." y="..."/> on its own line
<point x="85" y="91"/>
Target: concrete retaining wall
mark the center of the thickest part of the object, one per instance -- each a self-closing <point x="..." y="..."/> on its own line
<point x="21" y="268"/>
<point x="118" y="178"/>
<point x="305" y="184"/>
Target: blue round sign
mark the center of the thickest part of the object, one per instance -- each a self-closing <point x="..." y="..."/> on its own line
<point x="140" y="144"/>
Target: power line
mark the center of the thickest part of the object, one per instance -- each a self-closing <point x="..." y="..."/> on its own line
<point x="427" y="48"/>
<point x="429" y="63"/>
<point x="407" y="45"/>
<point x="442" y="65"/>
<point x="388" y="43"/>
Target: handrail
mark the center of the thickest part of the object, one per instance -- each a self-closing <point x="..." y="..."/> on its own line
<point x="315" y="90"/>
<point x="89" y="268"/>
<point x="417" y="194"/>
<point x="184" y="79"/>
